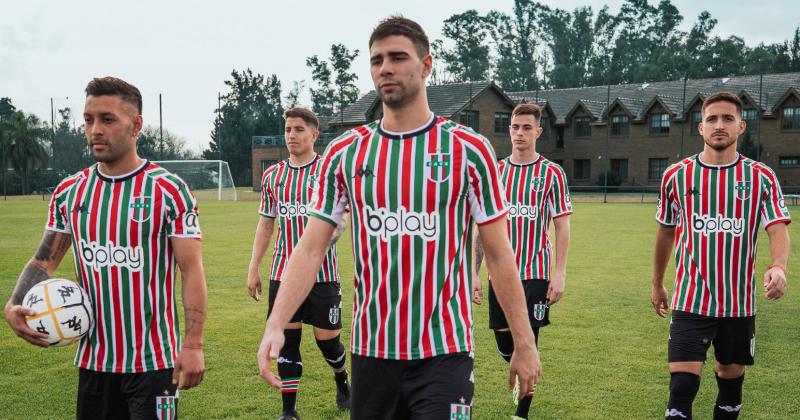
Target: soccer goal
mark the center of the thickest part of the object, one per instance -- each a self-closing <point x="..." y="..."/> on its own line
<point x="208" y="179"/>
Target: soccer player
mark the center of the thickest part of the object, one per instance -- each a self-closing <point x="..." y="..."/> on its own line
<point x="414" y="183"/>
<point x="537" y="194"/>
<point x="711" y="206"/>
<point x="128" y="221"/>
<point x="285" y="195"/>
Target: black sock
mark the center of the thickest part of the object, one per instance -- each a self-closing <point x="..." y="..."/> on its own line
<point x="333" y="352"/>
<point x="683" y="387"/>
<point x="505" y="344"/>
<point x="340" y="377"/>
<point x="729" y="398"/>
<point x="290" y="368"/>
<point x="524" y="406"/>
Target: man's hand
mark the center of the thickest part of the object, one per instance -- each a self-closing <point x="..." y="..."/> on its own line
<point x="525" y="367"/>
<point x="556" y="288"/>
<point x="254" y="283"/>
<point x="269" y="350"/>
<point x="477" y="290"/>
<point x="659" y="299"/>
<point x="774" y="283"/>
<point x="15" y="316"/>
<point x="191" y="363"/>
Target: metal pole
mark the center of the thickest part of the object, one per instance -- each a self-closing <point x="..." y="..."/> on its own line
<point x="758" y="115"/>
<point x="219" y="182"/>
<point x="53" y="126"/>
<point x="683" y="114"/>
<point x="160" y="126"/>
<point x="608" y="134"/>
<point x="219" y="127"/>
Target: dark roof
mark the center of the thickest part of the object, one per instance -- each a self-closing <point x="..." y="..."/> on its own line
<point x="445" y="100"/>
<point x="639" y="97"/>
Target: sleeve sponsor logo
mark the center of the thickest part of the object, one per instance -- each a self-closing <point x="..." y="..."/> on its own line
<point x="102" y="256"/>
<point x="386" y="224"/>
<point x="191" y="222"/>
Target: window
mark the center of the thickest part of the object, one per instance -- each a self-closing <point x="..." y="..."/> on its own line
<point x="560" y="137"/>
<point x="620" y="168"/>
<point x="582" y="128"/>
<point x="559" y="162"/>
<point x="545" y="123"/>
<point x="656" y="168"/>
<point x="470" y="119"/>
<point x="620" y="126"/>
<point x="791" y="118"/>
<point x="581" y="169"/>
<point x="789" y="162"/>
<point x="695" y="121"/>
<point x="659" y="124"/>
<point x="750" y="116"/>
<point x="501" y="122"/>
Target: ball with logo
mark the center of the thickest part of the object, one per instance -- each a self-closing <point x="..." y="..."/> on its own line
<point x="63" y="311"/>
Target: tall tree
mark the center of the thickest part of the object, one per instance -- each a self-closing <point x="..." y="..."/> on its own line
<point x="468" y="59"/>
<point x="323" y="97"/>
<point x="345" y="81"/>
<point x="293" y="97"/>
<point x="569" y="39"/>
<point x="149" y="145"/>
<point x="25" y="136"/>
<point x="515" y="43"/>
<point x="69" y="145"/>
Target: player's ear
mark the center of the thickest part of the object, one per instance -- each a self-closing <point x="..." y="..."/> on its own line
<point x="138" y="121"/>
<point x="427" y="66"/>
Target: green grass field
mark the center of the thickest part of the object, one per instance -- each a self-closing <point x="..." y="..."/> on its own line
<point x="603" y="357"/>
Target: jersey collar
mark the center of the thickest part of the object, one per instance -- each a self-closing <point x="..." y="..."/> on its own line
<point x="123" y="177"/>
<point x="725" y="166"/>
<point x="404" y="135"/>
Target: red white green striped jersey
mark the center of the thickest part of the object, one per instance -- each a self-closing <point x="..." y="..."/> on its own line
<point x="717" y="211"/>
<point x="285" y="193"/>
<point x="536" y="193"/>
<point x="413" y="198"/>
<point x="123" y="258"/>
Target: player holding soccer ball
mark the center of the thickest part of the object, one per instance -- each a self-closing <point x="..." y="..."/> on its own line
<point x="414" y="183"/>
<point x="285" y="195"/>
<point x="711" y="206"/>
<point x="128" y="222"/>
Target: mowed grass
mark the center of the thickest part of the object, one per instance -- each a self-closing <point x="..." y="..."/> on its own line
<point x="603" y="357"/>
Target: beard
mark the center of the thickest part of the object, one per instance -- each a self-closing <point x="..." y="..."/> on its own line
<point x="401" y="96"/>
<point x="720" y="145"/>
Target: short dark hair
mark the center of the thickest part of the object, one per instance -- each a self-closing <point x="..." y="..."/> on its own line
<point x="723" y="96"/>
<point x="528" y="109"/>
<point x="305" y="114"/>
<point x="402" y="26"/>
<point x="102" y="86"/>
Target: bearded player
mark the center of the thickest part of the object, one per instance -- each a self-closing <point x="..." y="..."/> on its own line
<point x="414" y="182"/>
<point x="285" y="195"/>
<point x="128" y="222"/>
<point x="537" y="195"/>
<point x="711" y="207"/>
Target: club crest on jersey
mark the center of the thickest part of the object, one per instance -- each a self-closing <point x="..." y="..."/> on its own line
<point x="140" y="209"/>
<point x="166" y="407"/>
<point x="539" y="310"/>
<point x="437" y="167"/>
<point x="333" y="314"/>
<point x="460" y="412"/>
<point x="742" y="189"/>
<point x="537" y="184"/>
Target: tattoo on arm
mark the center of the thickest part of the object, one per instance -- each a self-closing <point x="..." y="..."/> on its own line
<point x="51" y="250"/>
<point x="478" y="253"/>
<point x="195" y="319"/>
<point x="31" y="275"/>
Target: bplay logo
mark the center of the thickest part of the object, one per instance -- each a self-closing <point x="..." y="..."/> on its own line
<point x="291" y="210"/>
<point x="708" y="225"/>
<point x="386" y="224"/>
<point x="108" y="255"/>
<point x="521" y="210"/>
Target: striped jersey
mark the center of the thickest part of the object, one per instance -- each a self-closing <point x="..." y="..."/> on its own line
<point x="123" y="258"/>
<point x="285" y="193"/>
<point x="717" y="211"/>
<point x="535" y="193"/>
<point x="413" y="197"/>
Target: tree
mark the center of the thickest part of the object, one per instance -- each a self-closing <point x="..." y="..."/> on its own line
<point x="515" y="43"/>
<point x="293" y="97"/>
<point x="149" y="145"/>
<point x="252" y="107"/>
<point x="70" y="145"/>
<point x="336" y="87"/>
<point x="569" y="37"/>
<point x="468" y="59"/>
<point x="323" y="97"/>
<point x="25" y="135"/>
<point x="346" y="89"/>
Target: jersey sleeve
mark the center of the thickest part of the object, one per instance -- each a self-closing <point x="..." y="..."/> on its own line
<point x="773" y="207"/>
<point x="559" y="199"/>
<point x="666" y="213"/>
<point x="57" y="211"/>
<point x="329" y="198"/>
<point x="485" y="193"/>
<point x="269" y="201"/>
<point x="181" y="214"/>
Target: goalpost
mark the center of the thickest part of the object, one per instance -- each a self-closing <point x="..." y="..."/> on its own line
<point x="208" y="179"/>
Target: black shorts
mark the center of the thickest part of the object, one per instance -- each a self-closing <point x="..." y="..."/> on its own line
<point x="536" y="298"/>
<point x="136" y="396"/>
<point x="322" y="308"/>
<point x="439" y="387"/>
<point x="690" y="335"/>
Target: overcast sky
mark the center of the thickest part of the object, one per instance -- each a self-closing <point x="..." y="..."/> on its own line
<point x="185" y="50"/>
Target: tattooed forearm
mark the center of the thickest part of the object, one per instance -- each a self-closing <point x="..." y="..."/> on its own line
<point x="195" y="319"/>
<point x="478" y="253"/>
<point x="30" y="276"/>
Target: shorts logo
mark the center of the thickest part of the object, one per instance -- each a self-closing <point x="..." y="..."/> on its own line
<point x="708" y="225"/>
<point x="166" y="407"/>
<point x="753" y="347"/>
<point x="386" y="224"/>
<point x="437" y="167"/>
<point x="101" y="256"/>
<point x="537" y="184"/>
<point x="291" y="210"/>
<point x="333" y="314"/>
<point x="742" y="190"/>
<point x="539" y="310"/>
<point x="521" y="210"/>
<point x="460" y="412"/>
<point x="140" y="209"/>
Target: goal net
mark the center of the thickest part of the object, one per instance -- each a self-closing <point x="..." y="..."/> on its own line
<point x="208" y="179"/>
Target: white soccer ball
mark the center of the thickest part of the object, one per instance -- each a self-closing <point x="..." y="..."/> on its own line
<point x="63" y="311"/>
